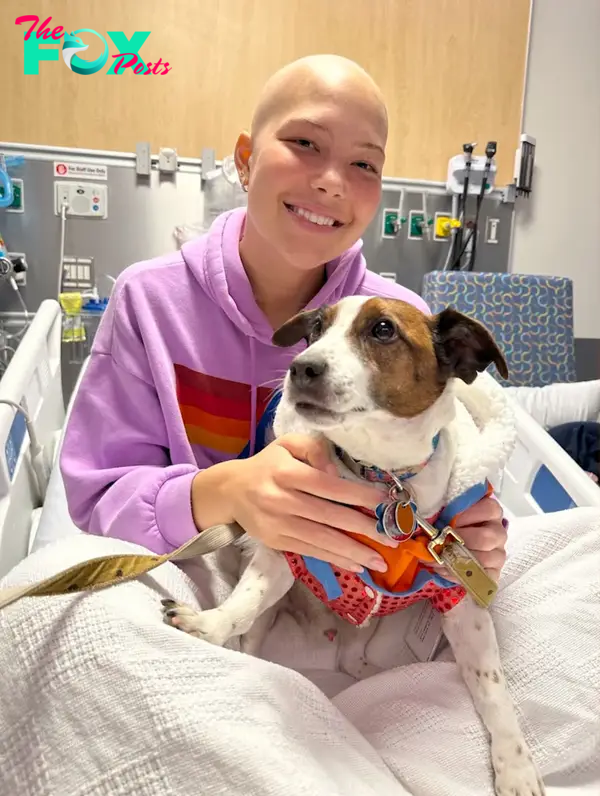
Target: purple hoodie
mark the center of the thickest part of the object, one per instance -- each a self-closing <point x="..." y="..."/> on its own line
<point x="180" y="373"/>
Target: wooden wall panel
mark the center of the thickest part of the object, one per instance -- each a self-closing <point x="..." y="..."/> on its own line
<point x="451" y="70"/>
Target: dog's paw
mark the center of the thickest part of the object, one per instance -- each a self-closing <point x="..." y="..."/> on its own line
<point x="211" y="626"/>
<point x="515" y="772"/>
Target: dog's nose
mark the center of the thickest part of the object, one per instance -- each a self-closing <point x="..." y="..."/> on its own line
<point x="308" y="373"/>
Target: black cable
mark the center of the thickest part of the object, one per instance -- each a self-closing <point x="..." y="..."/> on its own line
<point x="455" y="266"/>
<point x="462" y="204"/>
<point x="490" y="151"/>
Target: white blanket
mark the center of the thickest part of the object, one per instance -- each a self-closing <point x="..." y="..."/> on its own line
<point x="99" y="698"/>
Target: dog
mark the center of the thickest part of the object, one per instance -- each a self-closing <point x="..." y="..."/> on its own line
<point x="387" y="386"/>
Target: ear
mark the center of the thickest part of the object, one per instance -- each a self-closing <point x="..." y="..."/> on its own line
<point x="297" y="328"/>
<point x="241" y="156"/>
<point x="464" y="347"/>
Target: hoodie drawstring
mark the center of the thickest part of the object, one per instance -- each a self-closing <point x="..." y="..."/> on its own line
<point x="253" y="392"/>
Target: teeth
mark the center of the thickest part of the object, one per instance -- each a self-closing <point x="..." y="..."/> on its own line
<point x="322" y="221"/>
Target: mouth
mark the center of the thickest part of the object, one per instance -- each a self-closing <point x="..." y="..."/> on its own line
<point x="314" y="219"/>
<point x="318" y="413"/>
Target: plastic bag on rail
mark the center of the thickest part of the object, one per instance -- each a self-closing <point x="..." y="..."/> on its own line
<point x="222" y="191"/>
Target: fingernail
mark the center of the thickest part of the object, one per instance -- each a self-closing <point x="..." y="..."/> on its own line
<point x="387" y="541"/>
<point x="378" y="564"/>
<point x="356" y="568"/>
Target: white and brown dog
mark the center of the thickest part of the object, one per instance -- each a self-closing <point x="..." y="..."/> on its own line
<point x="387" y="386"/>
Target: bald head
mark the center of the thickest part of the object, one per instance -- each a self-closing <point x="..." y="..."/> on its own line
<point x="299" y="81"/>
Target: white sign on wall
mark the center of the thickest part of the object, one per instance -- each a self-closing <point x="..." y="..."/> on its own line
<point x="63" y="168"/>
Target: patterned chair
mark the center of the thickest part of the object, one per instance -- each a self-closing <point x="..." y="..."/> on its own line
<point x="531" y="318"/>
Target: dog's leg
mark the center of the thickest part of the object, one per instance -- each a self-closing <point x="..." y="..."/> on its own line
<point x="472" y="636"/>
<point x="266" y="579"/>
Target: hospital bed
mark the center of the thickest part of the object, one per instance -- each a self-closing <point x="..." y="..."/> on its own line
<point x="539" y="478"/>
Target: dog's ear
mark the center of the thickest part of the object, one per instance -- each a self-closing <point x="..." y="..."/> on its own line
<point x="297" y="328"/>
<point x="464" y="347"/>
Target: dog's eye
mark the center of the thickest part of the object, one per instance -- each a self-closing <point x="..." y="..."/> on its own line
<point x="384" y="331"/>
<point x="317" y="329"/>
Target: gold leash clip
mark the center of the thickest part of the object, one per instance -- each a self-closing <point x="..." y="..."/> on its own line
<point x="470" y="574"/>
<point x="448" y="549"/>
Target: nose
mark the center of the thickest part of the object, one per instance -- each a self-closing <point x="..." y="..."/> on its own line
<point x="330" y="181"/>
<point x="308" y="373"/>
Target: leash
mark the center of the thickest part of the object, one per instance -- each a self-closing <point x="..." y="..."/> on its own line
<point x="100" y="573"/>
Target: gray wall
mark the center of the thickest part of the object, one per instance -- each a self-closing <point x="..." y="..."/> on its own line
<point x="142" y="214"/>
<point x="410" y="260"/>
<point x="556" y="230"/>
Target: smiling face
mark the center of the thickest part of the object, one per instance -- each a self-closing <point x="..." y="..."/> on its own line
<point x="314" y="162"/>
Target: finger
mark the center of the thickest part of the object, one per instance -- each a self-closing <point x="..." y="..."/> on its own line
<point x="444" y="573"/>
<point x="301" y="548"/>
<point x="305" y="478"/>
<point x="491" y="536"/>
<point x="313" y="451"/>
<point x="492" y="562"/>
<point x="492" y="559"/>
<point x="332" y="542"/>
<point x="494" y="574"/>
<point x="334" y="515"/>
<point x="487" y="510"/>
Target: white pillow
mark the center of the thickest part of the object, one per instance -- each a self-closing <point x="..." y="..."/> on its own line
<point x="54" y="521"/>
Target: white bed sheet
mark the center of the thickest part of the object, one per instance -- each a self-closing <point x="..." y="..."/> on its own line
<point x="99" y="696"/>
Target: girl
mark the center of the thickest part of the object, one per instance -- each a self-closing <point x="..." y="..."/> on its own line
<point x="183" y="365"/>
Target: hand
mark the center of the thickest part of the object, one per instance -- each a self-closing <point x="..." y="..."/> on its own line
<point x="289" y="496"/>
<point x="484" y="535"/>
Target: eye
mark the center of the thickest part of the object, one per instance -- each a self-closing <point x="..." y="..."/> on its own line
<point x="384" y="331"/>
<point x="366" y="166"/>
<point x="304" y="143"/>
<point x="316" y="330"/>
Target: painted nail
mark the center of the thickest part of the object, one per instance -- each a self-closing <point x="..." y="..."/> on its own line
<point x="378" y="564"/>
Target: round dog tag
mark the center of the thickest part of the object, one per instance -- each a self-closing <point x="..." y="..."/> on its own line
<point x="397" y="520"/>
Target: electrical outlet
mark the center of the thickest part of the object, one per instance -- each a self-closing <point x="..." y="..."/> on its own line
<point x="416" y="222"/>
<point x="18" y="202"/>
<point x="19" y="261"/>
<point x="78" y="273"/>
<point x="442" y="226"/>
<point x="491" y="230"/>
<point x="389" y="226"/>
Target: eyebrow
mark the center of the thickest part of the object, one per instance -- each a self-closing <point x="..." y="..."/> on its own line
<point x="305" y="120"/>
